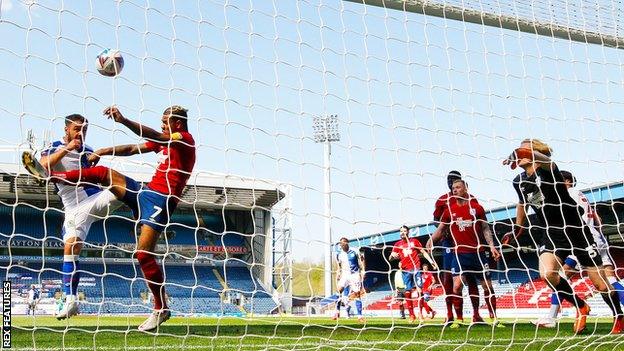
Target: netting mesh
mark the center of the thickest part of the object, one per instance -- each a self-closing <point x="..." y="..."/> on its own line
<point x="603" y="17"/>
<point x="415" y="96"/>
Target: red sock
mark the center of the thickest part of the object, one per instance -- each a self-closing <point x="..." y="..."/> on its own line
<point x="96" y="175"/>
<point x="409" y="303"/>
<point x="449" y="307"/>
<point x="490" y="302"/>
<point x="420" y="305"/>
<point x="426" y="306"/>
<point x="473" y="292"/>
<point x="458" y="304"/>
<point x="154" y="277"/>
<point x="447" y="284"/>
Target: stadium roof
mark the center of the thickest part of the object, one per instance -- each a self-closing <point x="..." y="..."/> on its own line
<point x="604" y="193"/>
<point x="205" y="190"/>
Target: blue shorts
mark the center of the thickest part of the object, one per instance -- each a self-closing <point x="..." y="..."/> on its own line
<point x="448" y="259"/>
<point x="411" y="280"/>
<point x="476" y="264"/>
<point x="148" y="206"/>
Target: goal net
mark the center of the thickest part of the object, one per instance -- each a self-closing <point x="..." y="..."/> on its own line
<point x="313" y="121"/>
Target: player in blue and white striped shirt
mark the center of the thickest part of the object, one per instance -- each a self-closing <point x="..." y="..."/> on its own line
<point x="350" y="274"/>
<point x="83" y="204"/>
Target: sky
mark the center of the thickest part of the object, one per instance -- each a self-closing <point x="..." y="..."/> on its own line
<point x="416" y="96"/>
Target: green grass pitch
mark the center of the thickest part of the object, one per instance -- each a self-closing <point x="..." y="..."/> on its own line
<point x="299" y="333"/>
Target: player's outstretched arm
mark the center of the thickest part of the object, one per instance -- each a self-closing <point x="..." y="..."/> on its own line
<point x="119" y="150"/>
<point x="143" y="131"/>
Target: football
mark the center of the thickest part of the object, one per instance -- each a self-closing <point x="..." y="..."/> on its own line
<point x="109" y="62"/>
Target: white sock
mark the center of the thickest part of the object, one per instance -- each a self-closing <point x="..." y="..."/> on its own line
<point x="612" y="279"/>
<point x="554" y="311"/>
<point x="70" y="298"/>
<point x="70" y="258"/>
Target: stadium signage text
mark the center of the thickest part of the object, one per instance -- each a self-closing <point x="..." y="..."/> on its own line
<point x="216" y="249"/>
<point x="30" y="243"/>
<point x="221" y="249"/>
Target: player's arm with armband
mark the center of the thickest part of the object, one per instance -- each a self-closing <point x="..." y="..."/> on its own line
<point x="137" y="128"/>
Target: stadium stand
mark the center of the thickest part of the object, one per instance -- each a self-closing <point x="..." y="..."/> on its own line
<point x="120" y="288"/>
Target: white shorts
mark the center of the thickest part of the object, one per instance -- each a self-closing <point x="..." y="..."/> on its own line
<point x="78" y="219"/>
<point x="352" y="280"/>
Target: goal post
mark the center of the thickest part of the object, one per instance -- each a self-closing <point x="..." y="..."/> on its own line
<point x="512" y="18"/>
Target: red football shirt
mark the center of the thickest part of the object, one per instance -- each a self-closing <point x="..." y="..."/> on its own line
<point x="176" y="159"/>
<point x="465" y="223"/>
<point x="444" y="201"/>
<point x="408" y="253"/>
<point x="427" y="279"/>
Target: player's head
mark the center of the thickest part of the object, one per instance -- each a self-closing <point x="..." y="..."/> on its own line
<point x="460" y="189"/>
<point x="76" y="127"/>
<point x="569" y="179"/>
<point x="534" y="145"/>
<point x="344" y="244"/>
<point x="32" y="287"/>
<point x="537" y="145"/>
<point x="451" y="177"/>
<point x="174" y="119"/>
<point x="404" y="231"/>
<point x="425" y="267"/>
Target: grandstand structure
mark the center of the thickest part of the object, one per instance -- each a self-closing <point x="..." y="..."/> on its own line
<point x="518" y="287"/>
<point x="218" y="253"/>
